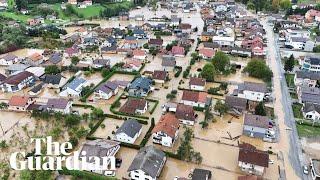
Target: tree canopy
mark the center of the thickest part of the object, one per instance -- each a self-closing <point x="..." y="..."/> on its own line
<point x="208" y="72"/>
<point x="221" y="62"/>
<point x="257" y="68"/>
<point x="289" y="63"/>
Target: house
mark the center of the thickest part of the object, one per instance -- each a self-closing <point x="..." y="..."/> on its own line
<point x="306" y="78"/>
<point x="165" y="132"/>
<point x="2" y="78"/>
<point x="72" y="51"/>
<point x="54" y="81"/>
<point x="297" y="42"/>
<point x="101" y="63"/>
<point x="252" y="160"/>
<point x="311" y="64"/>
<point x="8" y="60"/>
<point x="15" y="69"/>
<point x="315" y="169"/>
<point x="185" y="114"/>
<point x="130" y="42"/>
<point x="55" y="58"/>
<point x="175" y="21"/>
<point x="73" y="88"/>
<point x="20" y="103"/>
<point x="134" y="106"/>
<point x="99" y="148"/>
<point x="108" y="50"/>
<point x="242" y="52"/>
<point x="178" y="51"/>
<point x="201" y="174"/>
<point x="17" y="82"/>
<point x="35" y="59"/>
<point x="311" y="111"/>
<point x="139" y="33"/>
<point x="132" y="65"/>
<point x="317" y="41"/>
<point x="197" y="99"/>
<point x="236" y="104"/>
<point x="308" y="94"/>
<point x="312" y="15"/>
<point x="73" y="2"/>
<point x="106" y="90"/>
<point x="249" y="177"/>
<point x="140" y="87"/>
<point x="155" y="43"/>
<point x="35" y="90"/>
<point x="168" y="62"/>
<point x="3" y="4"/>
<point x="123" y="16"/>
<point x="251" y="91"/>
<point x="257" y="126"/>
<point x="58" y="105"/>
<point x="139" y="54"/>
<point x="109" y="42"/>
<point x="159" y="76"/>
<point x="147" y="164"/>
<point x="185" y="28"/>
<point x="224" y="41"/>
<point x="128" y="132"/>
<point x="197" y="84"/>
<point x="206" y="36"/>
<point x="206" y="53"/>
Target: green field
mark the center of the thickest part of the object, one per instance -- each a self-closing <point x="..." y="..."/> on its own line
<point x="289" y="79"/>
<point x="308" y="131"/>
<point x="297" y="110"/>
<point x="15" y="16"/>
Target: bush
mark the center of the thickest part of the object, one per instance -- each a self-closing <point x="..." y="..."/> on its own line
<point x="148" y="134"/>
<point x="84" y="175"/>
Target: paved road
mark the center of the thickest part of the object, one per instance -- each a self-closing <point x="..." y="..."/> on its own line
<point x="293" y="149"/>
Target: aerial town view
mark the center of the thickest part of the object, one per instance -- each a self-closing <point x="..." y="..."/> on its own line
<point x="160" y="89"/>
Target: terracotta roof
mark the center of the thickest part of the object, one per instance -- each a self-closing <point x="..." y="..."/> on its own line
<point x="158" y="42"/>
<point x="207" y="52"/>
<point x="197" y="81"/>
<point x="160" y="75"/>
<point x="18" y="101"/>
<point x="185" y="26"/>
<point x="249" y="177"/>
<point x="133" y="104"/>
<point x="16" y="79"/>
<point x="185" y="112"/>
<point x="35" y="57"/>
<point x="138" y="52"/>
<point x="249" y="154"/>
<point x="177" y="50"/>
<point x="194" y="96"/>
<point x="168" y="124"/>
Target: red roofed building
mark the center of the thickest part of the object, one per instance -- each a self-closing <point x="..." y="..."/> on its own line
<point x="20" y="103"/>
<point x="70" y="52"/>
<point x="206" y="53"/>
<point x="197" y="84"/>
<point x="312" y="15"/>
<point x="185" y="114"/>
<point x="166" y="130"/>
<point x="159" y="76"/>
<point x="177" y="51"/>
<point x="134" y="106"/>
<point x="197" y="99"/>
<point x="139" y="54"/>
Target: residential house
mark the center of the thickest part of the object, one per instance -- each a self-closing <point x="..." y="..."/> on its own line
<point x="306" y="78"/>
<point x="159" y="76"/>
<point x="224" y="41"/>
<point x="73" y="2"/>
<point x="251" y="160"/>
<point x="206" y="53"/>
<point x="147" y="164"/>
<point x="101" y="63"/>
<point x="8" y="60"/>
<point x="73" y="88"/>
<point x="140" y="87"/>
<point x="201" y="174"/>
<point x="134" y="106"/>
<point x="317" y="41"/>
<point x="155" y="43"/>
<point x="20" y="103"/>
<point x="312" y="15"/>
<point x="165" y="132"/>
<point x="128" y="132"/>
<point x="58" y="105"/>
<point x="194" y="98"/>
<point x="123" y="16"/>
<point x="54" y="81"/>
<point x="132" y="65"/>
<point x="139" y="33"/>
<point x="15" y="69"/>
<point x="242" y="52"/>
<point x="311" y="64"/>
<point x="72" y="51"/>
<point x="168" y="62"/>
<point x="185" y="28"/>
<point x="178" y="51"/>
<point x="236" y="104"/>
<point x="99" y="148"/>
<point x="17" y="82"/>
<point x="106" y="90"/>
<point x="175" y="21"/>
<point x="35" y="59"/>
<point x="55" y="58"/>
<point x="109" y="42"/>
<point x="139" y="54"/>
<point x="130" y="42"/>
<point x="2" y="78"/>
<point x="308" y="94"/>
<point x="311" y="111"/>
<point x="257" y="126"/>
<point x="251" y="91"/>
<point x="37" y="89"/>
<point x="206" y="36"/>
<point x="185" y="114"/>
<point x="3" y="4"/>
<point x="197" y="84"/>
<point x="297" y="42"/>
<point x="105" y="50"/>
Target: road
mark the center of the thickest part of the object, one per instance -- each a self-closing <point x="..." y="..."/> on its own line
<point x="289" y="143"/>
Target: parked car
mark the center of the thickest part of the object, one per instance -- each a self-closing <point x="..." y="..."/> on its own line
<point x="271" y="161"/>
<point x="305" y="170"/>
<point x="118" y="162"/>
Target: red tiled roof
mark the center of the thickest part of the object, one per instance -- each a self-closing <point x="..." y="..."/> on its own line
<point x="138" y="52"/>
<point x="194" y="96"/>
<point x="249" y="154"/>
<point x="18" y="101"/>
<point x="207" y="52"/>
<point x="132" y="105"/>
<point x="177" y="50"/>
<point x="168" y="124"/>
<point x="18" y="78"/>
<point x="160" y="75"/>
<point x="197" y="81"/>
<point x="185" y="112"/>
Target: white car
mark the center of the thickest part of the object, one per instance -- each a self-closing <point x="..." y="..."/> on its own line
<point x="271" y="161"/>
<point x="305" y="170"/>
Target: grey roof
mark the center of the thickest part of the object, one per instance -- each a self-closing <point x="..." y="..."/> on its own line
<point x="130" y="38"/>
<point x="101" y="61"/>
<point x="201" y="174"/>
<point x="308" y="107"/>
<point x="2" y="77"/>
<point x="52" y="78"/>
<point x="9" y="57"/>
<point x="55" y="58"/>
<point x="312" y="60"/>
<point x="318" y="39"/>
<point x="141" y="83"/>
<point x="37" y="88"/>
<point x="130" y="127"/>
<point x="106" y="48"/>
<point x="107" y="87"/>
<point x="299" y="39"/>
<point x="17" y="67"/>
<point x="57" y="103"/>
<point x="168" y="63"/>
<point x="76" y="83"/>
<point x="256" y="121"/>
<point x="250" y="86"/>
<point x="308" y="75"/>
<point x="98" y="148"/>
<point x="138" y="31"/>
<point x="236" y="102"/>
<point x="150" y="160"/>
<point x="309" y="94"/>
<point x="168" y="57"/>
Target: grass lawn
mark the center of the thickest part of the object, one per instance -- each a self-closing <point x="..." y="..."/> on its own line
<point x="90" y="11"/>
<point x="297" y="110"/>
<point x="307" y="131"/>
<point x="15" y="16"/>
<point x="289" y="79"/>
<point x="293" y="95"/>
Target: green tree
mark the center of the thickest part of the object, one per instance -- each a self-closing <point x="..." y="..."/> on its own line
<point x="289" y="64"/>
<point x="275" y="5"/>
<point x="170" y="96"/>
<point x="316" y="49"/>
<point x="260" y="109"/>
<point x="285" y="4"/>
<point x="257" y="68"/>
<point x="75" y="60"/>
<point x="221" y="107"/>
<point x="72" y="120"/>
<point x="52" y="69"/>
<point x="221" y="62"/>
<point x="208" y="72"/>
<point x="97" y="113"/>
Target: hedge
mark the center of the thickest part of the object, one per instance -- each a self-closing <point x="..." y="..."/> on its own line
<point x="83" y="105"/>
<point x="84" y="175"/>
<point x="196" y="108"/>
<point x="124" y="118"/>
<point x="172" y="155"/>
<point x="95" y="127"/>
<point x="148" y="134"/>
<point x="154" y="107"/>
<point x="133" y="146"/>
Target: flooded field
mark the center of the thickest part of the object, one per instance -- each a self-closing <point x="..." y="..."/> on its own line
<point x="110" y="126"/>
<point x="95" y="78"/>
<point x="127" y="155"/>
<point x="311" y="146"/>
